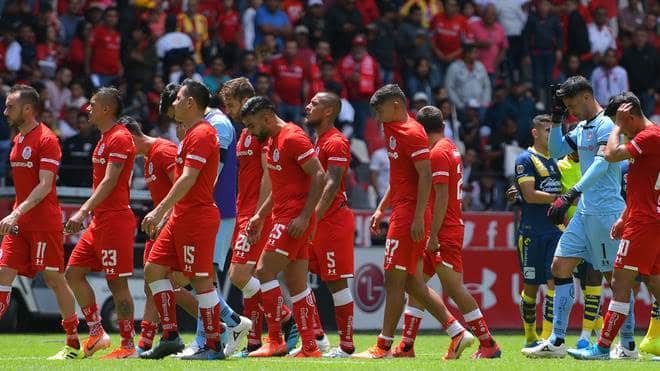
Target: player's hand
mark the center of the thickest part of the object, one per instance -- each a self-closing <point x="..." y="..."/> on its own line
<point x="253" y="229"/>
<point x="297" y="226"/>
<point x="75" y="223"/>
<point x="557" y="210"/>
<point x="623" y="112"/>
<point x="512" y="194"/>
<point x="417" y="229"/>
<point x="151" y="222"/>
<point x="374" y="223"/>
<point x="432" y="245"/>
<point x="8" y="223"/>
<point x="617" y="229"/>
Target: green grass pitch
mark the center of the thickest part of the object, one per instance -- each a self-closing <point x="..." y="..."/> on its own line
<point x="27" y="352"/>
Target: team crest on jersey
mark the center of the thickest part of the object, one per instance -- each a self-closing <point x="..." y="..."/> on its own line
<point x="27" y="153"/>
<point x="248" y="140"/>
<point x="590" y="135"/>
<point x="179" y="148"/>
<point x="101" y="149"/>
<point x="520" y="169"/>
<point x="276" y="155"/>
<point x="151" y="168"/>
<point x="392" y="142"/>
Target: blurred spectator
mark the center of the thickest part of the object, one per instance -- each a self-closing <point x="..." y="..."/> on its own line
<point x="469" y="11"/>
<point x="428" y="9"/>
<point x="78" y="98"/>
<point x="631" y="17"/>
<point x="58" y="90"/>
<point x="470" y="162"/>
<point x="102" y="56"/>
<point x="141" y="60"/>
<point x="419" y="100"/>
<point x="174" y="46"/>
<point x="305" y="53"/>
<point x="601" y="36"/>
<point x="521" y="107"/>
<point x="50" y="54"/>
<point x="642" y="62"/>
<point x="451" y="121"/>
<point x="543" y="44"/>
<point x="248" y="21"/>
<point x="187" y="71"/>
<point x="216" y="76"/>
<point x="359" y="71"/>
<point x="271" y="19"/>
<point x="608" y="79"/>
<point x="470" y="132"/>
<point x="505" y="135"/>
<point x="381" y="46"/>
<point x="291" y="82"/>
<point x="68" y="125"/>
<point x="490" y="40"/>
<point x="468" y="80"/>
<point x="76" y="58"/>
<point x="229" y="32"/>
<point x="294" y="9"/>
<point x="5" y="140"/>
<point x="27" y="53"/>
<point x="425" y="79"/>
<point x="369" y="10"/>
<point x="652" y="27"/>
<point x="314" y="20"/>
<point x="249" y="67"/>
<point x="70" y="20"/>
<point x="487" y="193"/>
<point x="343" y="22"/>
<point x="496" y="112"/>
<point x="76" y="168"/>
<point x="195" y="25"/>
<point x="572" y="67"/>
<point x="577" y="37"/>
<point x="412" y="29"/>
<point x="262" y="85"/>
<point x="155" y="18"/>
<point x="448" y="30"/>
<point x="511" y="14"/>
<point x="379" y="167"/>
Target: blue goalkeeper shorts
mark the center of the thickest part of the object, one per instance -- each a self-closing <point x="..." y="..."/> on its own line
<point x="223" y="242"/>
<point x="588" y="237"/>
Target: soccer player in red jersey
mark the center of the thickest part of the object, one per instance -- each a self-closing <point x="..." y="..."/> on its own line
<point x="107" y="244"/>
<point x="443" y="249"/>
<point x="331" y="256"/>
<point x="408" y="194"/>
<point x="297" y="181"/>
<point x="637" y="228"/>
<point x="186" y="243"/>
<point x="38" y="244"/>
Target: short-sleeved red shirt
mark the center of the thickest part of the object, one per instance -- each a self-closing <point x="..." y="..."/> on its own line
<point x="105" y="44"/>
<point x="37" y="150"/>
<point x="287" y="152"/>
<point x="333" y="149"/>
<point x="115" y="145"/>
<point x="250" y="172"/>
<point x="288" y="79"/>
<point x="643" y="190"/>
<point x="158" y="163"/>
<point x="407" y="143"/>
<point x="447" y="33"/>
<point x="200" y="150"/>
<point x="447" y="168"/>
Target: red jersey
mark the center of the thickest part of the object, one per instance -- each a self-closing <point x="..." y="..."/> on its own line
<point x="333" y="149"/>
<point x="407" y="143"/>
<point x="158" y="163"/>
<point x="229" y="26"/>
<point x="250" y="172"/>
<point x="200" y="150"/>
<point x="288" y="79"/>
<point x="643" y="189"/>
<point x="105" y="44"/>
<point x="447" y="168"/>
<point x="447" y="33"/>
<point x="37" y="150"/>
<point x="287" y="152"/>
<point x="115" y="145"/>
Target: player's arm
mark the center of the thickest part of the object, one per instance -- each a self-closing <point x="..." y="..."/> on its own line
<point x="561" y="145"/>
<point x="423" y="169"/>
<point x="379" y="213"/>
<point x="532" y="195"/>
<point x="314" y="170"/>
<point x="265" y="187"/>
<point x="333" y="178"/>
<point x="39" y="192"/>
<point x="615" y="151"/>
<point x="439" y="213"/>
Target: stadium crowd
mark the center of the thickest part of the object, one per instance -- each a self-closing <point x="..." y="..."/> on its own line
<point x="486" y="64"/>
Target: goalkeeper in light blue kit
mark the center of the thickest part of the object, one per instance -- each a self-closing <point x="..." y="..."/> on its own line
<point x="587" y="236"/>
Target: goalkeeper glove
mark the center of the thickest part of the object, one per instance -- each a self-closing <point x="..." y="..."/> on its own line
<point x="558" y="208"/>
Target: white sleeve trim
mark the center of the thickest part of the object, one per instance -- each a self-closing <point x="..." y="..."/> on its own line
<point x="634" y="144"/>
<point x="306" y="154"/>
<point x="51" y="161"/>
<point x="440" y="173"/>
<point x="118" y="155"/>
<point x="341" y="159"/>
<point x="419" y="152"/>
<point x="197" y="158"/>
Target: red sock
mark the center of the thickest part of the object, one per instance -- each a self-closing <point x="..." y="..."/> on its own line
<point x="209" y="308"/>
<point x="611" y="325"/>
<point x="384" y="343"/>
<point x="344" y="317"/>
<point x="93" y="319"/>
<point x="412" y="318"/>
<point x="272" y="301"/>
<point x="126" y="332"/>
<point x="316" y="320"/>
<point x="5" y="295"/>
<point x="285" y="313"/>
<point x="149" y="330"/>
<point x="477" y="325"/>
<point x="253" y="309"/>
<point x="166" y="305"/>
<point x="70" y="325"/>
<point x="303" y="313"/>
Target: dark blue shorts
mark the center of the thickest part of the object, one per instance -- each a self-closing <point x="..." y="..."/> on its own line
<point x="535" y="253"/>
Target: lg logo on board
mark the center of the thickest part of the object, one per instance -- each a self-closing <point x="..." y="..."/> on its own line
<point x="369" y="287"/>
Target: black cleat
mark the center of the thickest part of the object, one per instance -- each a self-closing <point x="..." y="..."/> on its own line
<point x="164" y="348"/>
<point x="291" y="334"/>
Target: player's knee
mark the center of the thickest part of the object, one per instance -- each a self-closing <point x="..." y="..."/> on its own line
<point x="238" y="276"/>
<point x="560" y="269"/>
<point x="653" y="284"/>
<point x="118" y="286"/>
<point x="53" y="279"/>
<point x="73" y="276"/>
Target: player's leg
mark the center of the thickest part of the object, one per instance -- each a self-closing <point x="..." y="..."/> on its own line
<point x="149" y="323"/>
<point x="7" y="276"/>
<point x="548" y="309"/>
<point x="651" y="342"/>
<point x="303" y="304"/>
<point x="343" y="302"/>
<point x="66" y="302"/>
<point x="14" y="255"/>
<point x="529" y="255"/>
<point x="222" y="247"/>
<point x="124" y="307"/>
<point x="549" y="244"/>
<point x="209" y="308"/>
<point x="412" y="316"/>
<point x="591" y="290"/>
<point x="242" y="276"/>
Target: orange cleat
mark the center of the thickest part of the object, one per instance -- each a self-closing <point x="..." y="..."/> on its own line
<point x="401" y="352"/>
<point x="458" y="344"/>
<point x="375" y="352"/>
<point x="121" y="353"/>
<point x="316" y="353"/>
<point x="270" y="349"/>
<point x="93" y="344"/>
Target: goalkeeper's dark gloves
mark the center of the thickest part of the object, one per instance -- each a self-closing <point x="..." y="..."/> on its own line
<point x="558" y="208"/>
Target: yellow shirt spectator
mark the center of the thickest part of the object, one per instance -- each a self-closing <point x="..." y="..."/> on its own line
<point x="429" y="9"/>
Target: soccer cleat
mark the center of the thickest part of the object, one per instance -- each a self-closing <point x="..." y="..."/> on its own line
<point x="336" y="353"/>
<point x="93" y="344"/>
<point x="375" y="352"/>
<point x="650" y="345"/>
<point x="316" y="353"/>
<point x="401" y="352"/>
<point x="243" y="353"/>
<point x="593" y="352"/>
<point x="164" y="348"/>
<point x="622" y="353"/>
<point x="487" y="352"/>
<point x="191" y="349"/>
<point x="236" y="334"/>
<point x="533" y="344"/>
<point x="323" y="344"/>
<point x="140" y="350"/>
<point x="205" y="354"/>
<point x="582" y="343"/>
<point x="291" y="334"/>
<point x="656" y="359"/>
<point x="121" y="353"/>
<point x="67" y="353"/>
<point x="270" y="349"/>
<point x="458" y="344"/>
<point x="545" y="350"/>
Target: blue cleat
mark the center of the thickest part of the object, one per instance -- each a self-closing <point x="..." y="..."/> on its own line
<point x="206" y="354"/>
<point x="593" y="352"/>
<point x="533" y="343"/>
<point x="583" y="343"/>
<point x="140" y="350"/>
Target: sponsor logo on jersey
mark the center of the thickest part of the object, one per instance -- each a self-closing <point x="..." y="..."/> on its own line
<point x="392" y="142"/>
<point x="276" y="155"/>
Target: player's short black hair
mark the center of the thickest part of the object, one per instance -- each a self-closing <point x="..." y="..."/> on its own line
<point x="112" y="96"/>
<point x="573" y="86"/>
<point x="431" y="118"/>
<point x="238" y="88"/>
<point x="332" y="100"/>
<point x="539" y="120"/>
<point x="132" y="125"/>
<point x="386" y="93"/>
<point x="26" y="95"/>
<point x="167" y="97"/>
<point x="619" y="99"/>
<point x="255" y="105"/>
<point x="198" y="91"/>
